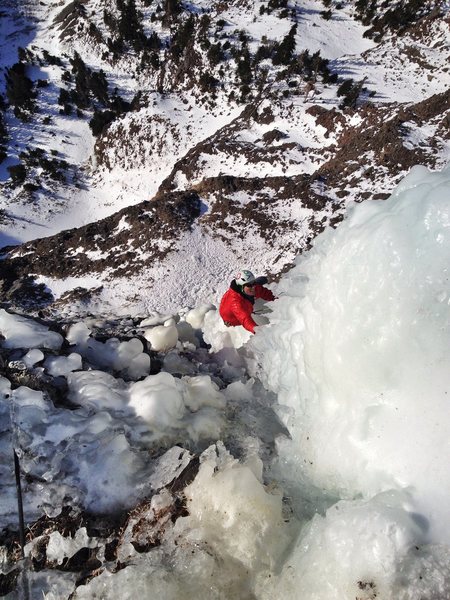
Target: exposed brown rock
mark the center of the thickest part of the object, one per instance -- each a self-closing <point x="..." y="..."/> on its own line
<point x="114" y="241"/>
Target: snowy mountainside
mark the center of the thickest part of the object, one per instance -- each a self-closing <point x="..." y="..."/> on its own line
<point x="173" y="456"/>
<point x="277" y="115"/>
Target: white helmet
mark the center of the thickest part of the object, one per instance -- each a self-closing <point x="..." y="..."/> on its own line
<point x="245" y="277"/>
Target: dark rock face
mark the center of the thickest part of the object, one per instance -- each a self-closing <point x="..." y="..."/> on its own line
<point x="260" y="214"/>
<point x="22" y="291"/>
<point x="378" y="145"/>
<point x="113" y="242"/>
<point x="375" y="145"/>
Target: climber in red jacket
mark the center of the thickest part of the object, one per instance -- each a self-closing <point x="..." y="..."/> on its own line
<point x="236" y="306"/>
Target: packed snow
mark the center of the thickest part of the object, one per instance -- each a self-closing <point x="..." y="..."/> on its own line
<point x="331" y="483"/>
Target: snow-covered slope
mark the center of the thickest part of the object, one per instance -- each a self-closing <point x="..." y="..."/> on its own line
<point x="214" y="99"/>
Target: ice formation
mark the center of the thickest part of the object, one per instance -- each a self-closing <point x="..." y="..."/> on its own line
<point x="358" y="354"/>
<point x="127" y="356"/>
<point x="190" y="404"/>
<point x="22" y="332"/>
<point x="162" y="337"/>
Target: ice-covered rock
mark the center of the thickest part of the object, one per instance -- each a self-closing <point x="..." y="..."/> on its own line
<point x="175" y="363"/>
<point x="169" y="466"/>
<point x="186" y="333"/>
<point x="193" y="405"/>
<point x="32" y="357"/>
<point x="156" y="319"/>
<point x="22" y="332"/>
<point x="158" y="399"/>
<point x="78" y="333"/>
<point x="98" y="390"/>
<point x="162" y="338"/>
<point x="196" y="316"/>
<point x="231" y="510"/>
<point x="202" y="391"/>
<point x="63" y="365"/>
<point x="61" y="547"/>
<point x="126" y="356"/>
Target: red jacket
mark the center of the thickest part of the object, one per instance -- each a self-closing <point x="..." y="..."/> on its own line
<point x="236" y="309"/>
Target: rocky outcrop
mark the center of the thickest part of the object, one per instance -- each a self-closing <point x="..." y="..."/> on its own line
<point x="121" y="243"/>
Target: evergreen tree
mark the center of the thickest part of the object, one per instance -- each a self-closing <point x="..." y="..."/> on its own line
<point x="64" y="96"/>
<point x="87" y="83"/>
<point x="394" y="18"/>
<point x="366" y="10"/>
<point x="285" y="49"/>
<point x="215" y="54"/>
<point x="401" y="16"/>
<point x="244" y="69"/>
<point x="20" y="90"/>
<point x="130" y="27"/>
<point x="101" y="120"/>
<point x="183" y="37"/>
<point x="207" y="82"/>
<point x="81" y="93"/>
<point x="50" y="59"/>
<point x="275" y="4"/>
<point x="171" y="8"/>
<point x="118" y="104"/>
<point x="17" y="173"/>
<point x="153" y="60"/>
<point x="78" y="65"/>
<point x="351" y="92"/>
<point x="99" y="86"/>
<point x="302" y="65"/>
<point x="316" y="62"/>
<point x="109" y="20"/>
<point x="153" y="42"/>
<point x="205" y="23"/>
<point x="67" y="109"/>
<point x="345" y="87"/>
